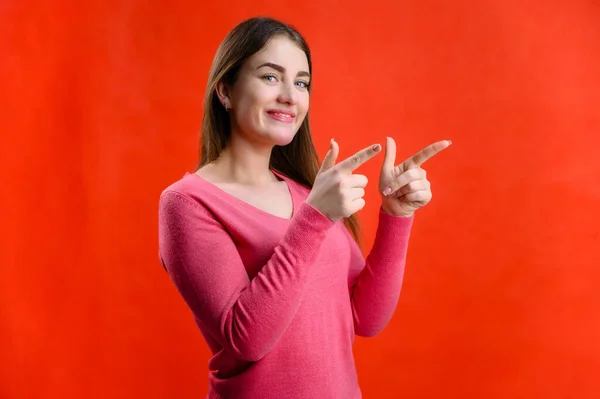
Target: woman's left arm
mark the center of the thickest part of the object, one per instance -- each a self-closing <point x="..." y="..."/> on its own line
<point x="404" y="189"/>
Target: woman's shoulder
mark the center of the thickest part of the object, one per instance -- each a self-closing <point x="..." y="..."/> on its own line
<point x="189" y="188"/>
<point x="185" y="186"/>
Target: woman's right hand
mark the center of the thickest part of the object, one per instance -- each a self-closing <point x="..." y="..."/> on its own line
<point x="337" y="193"/>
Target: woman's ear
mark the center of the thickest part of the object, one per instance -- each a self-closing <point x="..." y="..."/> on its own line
<point x="223" y="94"/>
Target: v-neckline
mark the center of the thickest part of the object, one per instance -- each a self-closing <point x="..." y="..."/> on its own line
<point x="277" y="174"/>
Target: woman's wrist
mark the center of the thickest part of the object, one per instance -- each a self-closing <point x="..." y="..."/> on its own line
<point x="402" y="215"/>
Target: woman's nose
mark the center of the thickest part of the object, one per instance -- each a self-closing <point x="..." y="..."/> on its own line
<point x="288" y="93"/>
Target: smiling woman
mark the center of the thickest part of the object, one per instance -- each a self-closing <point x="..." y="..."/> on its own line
<point x="254" y="240"/>
<point x="269" y="100"/>
<point x="258" y="97"/>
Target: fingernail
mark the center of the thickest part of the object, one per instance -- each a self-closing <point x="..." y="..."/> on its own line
<point x="331" y="143"/>
<point x="387" y="191"/>
<point x="376" y="147"/>
<point x="449" y="141"/>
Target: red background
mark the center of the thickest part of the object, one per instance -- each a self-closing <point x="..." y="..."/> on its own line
<point x="101" y="105"/>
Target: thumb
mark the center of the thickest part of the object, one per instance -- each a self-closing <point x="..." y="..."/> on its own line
<point x="330" y="157"/>
<point x="390" y="155"/>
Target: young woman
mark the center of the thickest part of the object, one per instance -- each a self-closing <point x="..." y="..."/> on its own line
<point x="262" y="243"/>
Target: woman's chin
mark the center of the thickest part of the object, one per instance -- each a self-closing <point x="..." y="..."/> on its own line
<point x="282" y="138"/>
<point x="277" y="136"/>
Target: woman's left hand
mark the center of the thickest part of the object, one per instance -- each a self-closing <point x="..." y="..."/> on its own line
<point x="405" y="188"/>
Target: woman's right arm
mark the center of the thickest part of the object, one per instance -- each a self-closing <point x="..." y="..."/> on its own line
<point x="247" y="317"/>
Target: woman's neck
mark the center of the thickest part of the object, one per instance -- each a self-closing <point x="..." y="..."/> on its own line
<point x="245" y="163"/>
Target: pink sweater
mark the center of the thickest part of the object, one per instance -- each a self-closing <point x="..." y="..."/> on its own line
<point x="277" y="300"/>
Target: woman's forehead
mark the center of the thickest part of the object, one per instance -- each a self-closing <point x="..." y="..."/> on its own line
<point x="280" y="51"/>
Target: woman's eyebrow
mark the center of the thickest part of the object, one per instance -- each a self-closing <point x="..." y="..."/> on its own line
<point x="281" y="69"/>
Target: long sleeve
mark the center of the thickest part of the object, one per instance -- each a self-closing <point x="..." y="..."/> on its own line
<point x="247" y="317"/>
<point x="375" y="292"/>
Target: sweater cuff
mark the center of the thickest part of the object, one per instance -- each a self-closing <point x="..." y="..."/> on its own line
<point x="307" y="231"/>
<point x="395" y="225"/>
<point x="313" y="218"/>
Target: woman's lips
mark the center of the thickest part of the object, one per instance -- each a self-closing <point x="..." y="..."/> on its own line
<point x="282" y="116"/>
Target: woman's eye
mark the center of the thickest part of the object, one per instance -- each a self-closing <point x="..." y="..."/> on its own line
<point x="302" y="84"/>
<point x="270" y="78"/>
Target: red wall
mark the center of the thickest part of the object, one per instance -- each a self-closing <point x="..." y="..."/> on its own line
<point x="100" y="111"/>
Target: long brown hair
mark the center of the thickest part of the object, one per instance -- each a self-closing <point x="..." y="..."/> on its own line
<point x="298" y="160"/>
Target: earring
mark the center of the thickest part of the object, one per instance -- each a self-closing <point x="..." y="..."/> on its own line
<point x="226" y="108"/>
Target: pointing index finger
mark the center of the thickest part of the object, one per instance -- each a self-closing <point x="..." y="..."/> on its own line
<point x="356" y="160"/>
<point x="425" y="154"/>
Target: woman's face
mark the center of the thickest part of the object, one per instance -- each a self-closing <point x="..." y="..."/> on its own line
<point x="269" y="99"/>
